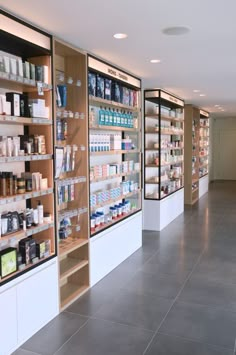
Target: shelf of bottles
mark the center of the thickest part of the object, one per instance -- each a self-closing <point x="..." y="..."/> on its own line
<point x="27" y="233"/>
<point x="163" y="142"/>
<point x="204" y="133"/>
<point x="114" y="145"/>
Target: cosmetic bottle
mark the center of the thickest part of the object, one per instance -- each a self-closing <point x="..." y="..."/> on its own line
<point x="40" y="212"/>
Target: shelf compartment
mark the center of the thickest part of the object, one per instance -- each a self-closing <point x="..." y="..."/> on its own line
<point x="164" y="118"/>
<point x="195" y="190"/>
<point x="71" y="181"/>
<point x="114" y="128"/>
<point x="26" y="196"/>
<point x="113" y="222"/>
<point x="114" y="152"/>
<point x="165" y="132"/>
<point x="113" y="200"/>
<point x="70" y="213"/>
<point x="23" y="83"/>
<point x="70" y="244"/>
<point x="105" y="178"/>
<point x="99" y="101"/>
<point x="25" y="158"/>
<point x="24" y="120"/>
<point x="24" y="234"/>
<point x="74" y="286"/>
<point x="70" y="265"/>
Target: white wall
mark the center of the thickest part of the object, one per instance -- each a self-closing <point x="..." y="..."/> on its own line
<point x="223" y="148"/>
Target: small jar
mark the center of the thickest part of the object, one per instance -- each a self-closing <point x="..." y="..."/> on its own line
<point x="4" y="184"/>
<point x="92" y="223"/>
<point x="9" y="184"/>
<point x="28" y="184"/>
<point x="14" y="184"/>
<point x="102" y="219"/>
<point x="20" y="185"/>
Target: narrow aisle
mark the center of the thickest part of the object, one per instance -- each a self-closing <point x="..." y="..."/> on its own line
<point x="174" y="296"/>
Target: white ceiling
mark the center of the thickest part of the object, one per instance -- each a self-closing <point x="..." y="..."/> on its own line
<point x="204" y="59"/>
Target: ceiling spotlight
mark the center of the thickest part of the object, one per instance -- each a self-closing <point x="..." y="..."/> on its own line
<point x="196" y="90"/>
<point x="222" y="110"/>
<point x="176" y="30"/>
<point x="120" y="35"/>
<point x="217" y="105"/>
<point x="202" y="95"/>
<point x="155" y="61"/>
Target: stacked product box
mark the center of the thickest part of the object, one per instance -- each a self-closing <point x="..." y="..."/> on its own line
<point x="115" y="142"/>
<point x="126" y="144"/>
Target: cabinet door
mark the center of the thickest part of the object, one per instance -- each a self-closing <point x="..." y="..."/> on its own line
<point x="37" y="299"/>
<point x="8" y="324"/>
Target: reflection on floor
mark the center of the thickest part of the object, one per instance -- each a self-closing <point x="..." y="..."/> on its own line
<point x="174" y="296"/>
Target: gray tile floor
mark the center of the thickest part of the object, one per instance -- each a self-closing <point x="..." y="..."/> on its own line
<point x="174" y="296"/>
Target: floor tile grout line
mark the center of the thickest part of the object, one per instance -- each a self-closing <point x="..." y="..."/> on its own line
<point x="199" y="341"/>
<point x="28" y="351"/>
<point x="82" y="326"/>
<point x="174" y="301"/>
<point x="123" y="324"/>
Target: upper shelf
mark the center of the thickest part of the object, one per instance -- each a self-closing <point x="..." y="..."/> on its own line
<point x="113" y="128"/>
<point x="164" y="131"/>
<point x="24" y="120"/>
<point x="114" y="152"/>
<point x="25" y="158"/>
<point x="164" y="118"/>
<point x="23" y="84"/>
<point x="99" y="101"/>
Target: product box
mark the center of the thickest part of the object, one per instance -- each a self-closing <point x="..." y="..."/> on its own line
<point x="39" y="73"/>
<point x="40" y="249"/>
<point x="32" y="71"/>
<point x="115" y="92"/>
<point x="5" y="106"/>
<point x="27" y="249"/>
<point x="26" y="69"/>
<point x="100" y="89"/>
<point x="107" y="89"/>
<point x="6" y="62"/>
<point x="13" y="66"/>
<point x="14" y="99"/>
<point x="19" y="64"/>
<point x="24" y="106"/>
<point x="8" y="261"/>
<point x="92" y="83"/>
<point x="47" y="247"/>
<point x="125" y="93"/>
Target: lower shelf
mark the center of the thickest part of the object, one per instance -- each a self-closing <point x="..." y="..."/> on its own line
<point x="70" y="244"/>
<point x="70" y="292"/>
<point x="70" y="265"/>
<point x="114" y="221"/>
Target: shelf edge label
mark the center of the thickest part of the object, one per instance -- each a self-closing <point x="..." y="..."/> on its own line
<point x="204" y="113"/>
<point x="113" y="72"/>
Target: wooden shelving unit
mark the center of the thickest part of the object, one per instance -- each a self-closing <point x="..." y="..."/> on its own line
<point x="13" y="79"/>
<point x="163" y="144"/>
<point x="124" y="121"/>
<point x="196" y="153"/>
<point x="71" y="184"/>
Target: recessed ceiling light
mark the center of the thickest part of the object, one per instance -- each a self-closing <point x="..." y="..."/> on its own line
<point x="219" y="108"/>
<point x="217" y="105"/>
<point x="196" y="90"/>
<point x="222" y="110"/>
<point x="176" y="30"/>
<point x="155" y="61"/>
<point x="120" y="35"/>
<point x="202" y="95"/>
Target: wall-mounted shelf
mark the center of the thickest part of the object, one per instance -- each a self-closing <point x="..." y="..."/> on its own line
<point x="72" y="182"/>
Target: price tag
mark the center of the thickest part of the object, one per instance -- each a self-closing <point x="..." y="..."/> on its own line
<point x="26" y="81"/>
<point x="18" y="198"/>
<point x="40" y="88"/>
<point x="32" y="82"/>
<point x="77" y="228"/>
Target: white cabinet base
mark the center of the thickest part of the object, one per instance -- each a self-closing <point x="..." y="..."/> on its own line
<point x="27" y="304"/>
<point x="109" y="248"/>
<point x="203" y="185"/>
<point x="158" y="214"/>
